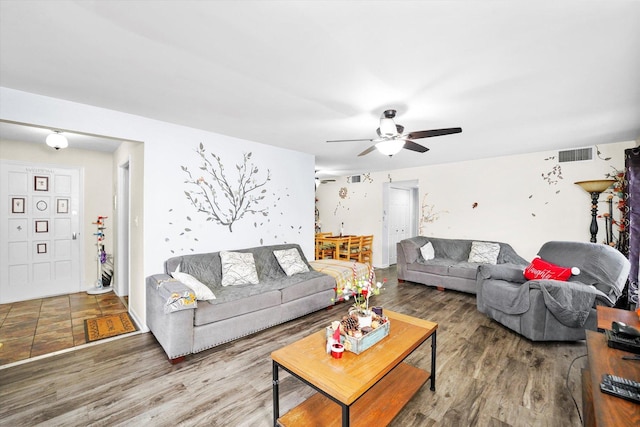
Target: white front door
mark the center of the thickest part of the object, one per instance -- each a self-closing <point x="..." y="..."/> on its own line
<point x="40" y="211"/>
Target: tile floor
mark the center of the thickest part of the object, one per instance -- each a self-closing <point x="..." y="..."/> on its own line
<point x="40" y="326"/>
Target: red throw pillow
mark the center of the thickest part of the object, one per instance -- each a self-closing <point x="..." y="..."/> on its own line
<point x="541" y="269"/>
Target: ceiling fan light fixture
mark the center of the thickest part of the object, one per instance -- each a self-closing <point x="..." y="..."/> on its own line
<point x="387" y="127"/>
<point x="390" y="147"/>
<point x="57" y="140"/>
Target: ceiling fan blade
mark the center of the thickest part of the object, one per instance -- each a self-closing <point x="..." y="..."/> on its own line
<point x="368" y="150"/>
<point x="410" y="145"/>
<point x="433" y="132"/>
<point x="351" y="140"/>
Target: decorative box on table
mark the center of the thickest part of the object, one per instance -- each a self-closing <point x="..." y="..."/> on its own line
<point x="358" y="345"/>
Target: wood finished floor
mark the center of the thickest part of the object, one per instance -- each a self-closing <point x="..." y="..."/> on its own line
<point x="46" y="325"/>
<point x="486" y="376"/>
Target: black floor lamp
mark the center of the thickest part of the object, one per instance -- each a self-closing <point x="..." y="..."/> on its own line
<point x="595" y="187"/>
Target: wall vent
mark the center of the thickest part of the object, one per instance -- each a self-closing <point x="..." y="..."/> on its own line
<point x="576" y="155"/>
<point x="355" y="178"/>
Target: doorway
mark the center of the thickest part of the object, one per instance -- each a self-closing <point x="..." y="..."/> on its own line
<point x="123" y="230"/>
<point x="400" y="219"/>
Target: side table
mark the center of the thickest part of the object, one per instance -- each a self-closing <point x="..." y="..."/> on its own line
<point x="600" y="409"/>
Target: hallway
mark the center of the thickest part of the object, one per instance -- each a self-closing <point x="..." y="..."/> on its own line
<point x="46" y="325"/>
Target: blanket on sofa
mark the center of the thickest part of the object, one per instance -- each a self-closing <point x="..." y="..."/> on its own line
<point x="342" y="271"/>
<point x="569" y="302"/>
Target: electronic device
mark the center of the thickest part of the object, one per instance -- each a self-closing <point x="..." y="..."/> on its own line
<point x="621" y="387"/>
<point x="623" y="341"/>
<point x="622" y="328"/>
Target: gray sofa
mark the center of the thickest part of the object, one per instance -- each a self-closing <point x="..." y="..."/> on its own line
<point x="237" y="310"/>
<point x="552" y="310"/>
<point x="450" y="269"/>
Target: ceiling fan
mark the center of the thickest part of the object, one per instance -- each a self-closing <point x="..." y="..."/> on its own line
<point x="391" y="138"/>
<point x="322" y="181"/>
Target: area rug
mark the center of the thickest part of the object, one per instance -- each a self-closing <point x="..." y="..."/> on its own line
<point x="108" y="326"/>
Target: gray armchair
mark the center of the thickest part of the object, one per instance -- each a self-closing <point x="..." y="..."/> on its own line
<point x="551" y="310"/>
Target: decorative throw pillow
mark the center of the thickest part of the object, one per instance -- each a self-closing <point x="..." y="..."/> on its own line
<point x="427" y="251"/>
<point x="290" y="261"/>
<point x="541" y="269"/>
<point x="238" y="268"/>
<point x="484" y="252"/>
<point x="201" y="290"/>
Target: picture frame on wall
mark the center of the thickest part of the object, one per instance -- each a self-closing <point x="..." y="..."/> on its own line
<point x="18" y="205"/>
<point x="42" y="226"/>
<point x="41" y="248"/>
<point x="62" y="206"/>
<point x="40" y="183"/>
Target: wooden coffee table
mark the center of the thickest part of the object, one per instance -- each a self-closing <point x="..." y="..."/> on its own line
<point x="365" y="389"/>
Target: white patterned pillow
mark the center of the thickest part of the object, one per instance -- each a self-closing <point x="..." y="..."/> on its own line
<point x="427" y="251"/>
<point x="201" y="290"/>
<point x="290" y="261"/>
<point x="484" y="252"/>
<point x="238" y="268"/>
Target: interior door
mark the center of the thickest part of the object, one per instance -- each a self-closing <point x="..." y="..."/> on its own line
<point x="40" y="251"/>
<point x="399" y="219"/>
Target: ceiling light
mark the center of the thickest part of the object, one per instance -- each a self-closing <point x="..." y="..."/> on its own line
<point x="57" y="140"/>
<point x="390" y="147"/>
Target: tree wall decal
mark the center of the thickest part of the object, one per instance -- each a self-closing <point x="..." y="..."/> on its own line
<point x="221" y="199"/>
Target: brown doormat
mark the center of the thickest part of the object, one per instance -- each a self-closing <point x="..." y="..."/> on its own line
<point x="108" y="326"/>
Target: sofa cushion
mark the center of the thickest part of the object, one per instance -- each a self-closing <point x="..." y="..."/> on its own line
<point x="238" y="269"/>
<point x="204" y="267"/>
<point x="305" y="284"/>
<point x="434" y="266"/>
<point x="484" y="252"/>
<point x="453" y="249"/>
<point x="464" y="270"/>
<point x="411" y="248"/>
<point x="232" y="301"/>
<point x="290" y="261"/>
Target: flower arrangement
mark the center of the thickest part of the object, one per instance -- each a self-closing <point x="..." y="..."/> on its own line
<point x="361" y="289"/>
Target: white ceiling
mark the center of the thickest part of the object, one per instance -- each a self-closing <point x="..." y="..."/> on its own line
<point x="517" y="76"/>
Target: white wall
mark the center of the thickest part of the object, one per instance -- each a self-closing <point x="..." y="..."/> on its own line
<point x="515" y="203"/>
<point x="131" y="153"/>
<point x="96" y="168"/>
<point x="165" y="209"/>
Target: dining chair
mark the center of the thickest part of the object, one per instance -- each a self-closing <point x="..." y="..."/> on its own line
<point x="355" y="248"/>
<point x="324" y="248"/>
<point x="366" y="249"/>
<point x="343" y="248"/>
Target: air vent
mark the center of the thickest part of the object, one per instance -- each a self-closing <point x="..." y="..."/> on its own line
<point x="577" y="155"/>
<point x="355" y="178"/>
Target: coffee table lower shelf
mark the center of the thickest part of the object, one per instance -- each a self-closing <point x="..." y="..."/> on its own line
<point x="378" y="406"/>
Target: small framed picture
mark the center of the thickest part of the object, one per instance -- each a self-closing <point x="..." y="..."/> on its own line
<point x="41" y="183"/>
<point x="42" y="226"/>
<point x="17" y="205"/>
<point x="62" y="206"/>
<point x="41" y="248"/>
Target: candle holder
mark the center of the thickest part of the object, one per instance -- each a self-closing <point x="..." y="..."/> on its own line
<point x="595" y="187"/>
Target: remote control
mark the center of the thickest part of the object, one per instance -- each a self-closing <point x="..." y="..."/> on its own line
<point x="621" y="387"/>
